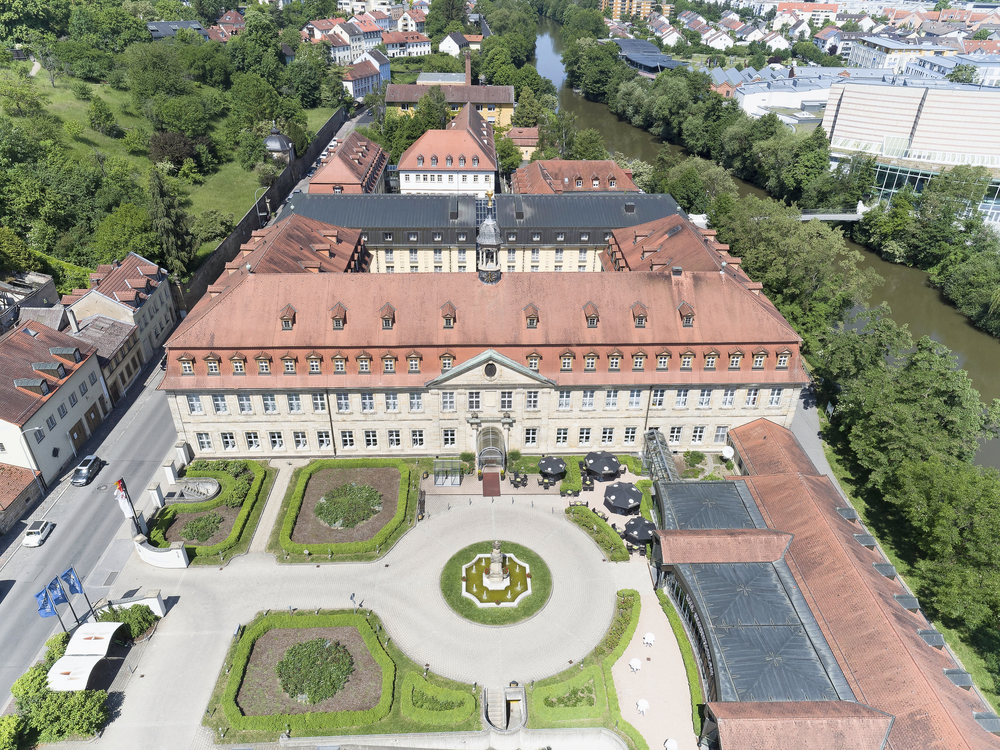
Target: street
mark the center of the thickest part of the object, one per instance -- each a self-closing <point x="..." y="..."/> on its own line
<point x="89" y="527"/>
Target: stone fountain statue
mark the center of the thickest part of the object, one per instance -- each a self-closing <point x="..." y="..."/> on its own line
<point x="496" y="576"/>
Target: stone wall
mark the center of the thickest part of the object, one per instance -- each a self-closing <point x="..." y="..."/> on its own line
<point x="192" y="291"/>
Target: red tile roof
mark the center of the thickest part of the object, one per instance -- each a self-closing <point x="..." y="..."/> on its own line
<point x="245" y="316"/>
<point x="360" y="71"/>
<point x="403" y="37"/>
<point x="523" y="137"/>
<point x="696" y="546"/>
<point x="466" y="135"/>
<point x="814" y="725"/>
<point x="129" y="281"/>
<point x="664" y="244"/>
<point x="766" y="448"/>
<point x="561" y="175"/>
<point x="298" y="245"/>
<point x="355" y="166"/>
<point x="13" y="481"/>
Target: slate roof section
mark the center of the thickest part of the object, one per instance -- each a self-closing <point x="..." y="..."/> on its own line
<point x="610" y="210"/>
<point x="387" y="211"/>
<point x="105" y="334"/>
<point x="708" y="505"/>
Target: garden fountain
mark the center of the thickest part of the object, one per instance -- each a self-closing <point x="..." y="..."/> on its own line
<point x="496" y="579"/>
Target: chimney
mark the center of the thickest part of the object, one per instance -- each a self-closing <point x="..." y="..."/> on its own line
<point x="71" y="316"/>
<point x="468" y="67"/>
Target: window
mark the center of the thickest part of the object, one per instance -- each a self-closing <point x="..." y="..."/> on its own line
<point x="448" y="401"/>
<point x="607" y="436"/>
<point x="758" y="361"/>
<point x="584" y="436"/>
<point x="300" y="440"/>
<point x="263" y="367"/>
<point x="219" y="404"/>
<point x="83" y="389"/>
<point x="511" y="237"/>
<point x="414" y="364"/>
<point x="448" y="438"/>
<point x="682" y="398"/>
<point x="534" y="268"/>
<point x="630" y="435"/>
<point x="535" y="255"/>
<point x="391" y="402"/>
<point x="371" y="439"/>
<point x="314" y="367"/>
<point x="734" y="361"/>
<point x="93" y="378"/>
<point x="475" y="159"/>
<point x="657" y="397"/>
<point x="39" y="435"/>
<point x="72" y="399"/>
<point x="662" y="361"/>
<point x="530" y="436"/>
<point x="277" y="441"/>
<point x="194" y="407"/>
<point x="461" y="252"/>
<point x="720" y="433"/>
<point x="634" y="398"/>
<point x="414" y="255"/>
<point x="752" y="394"/>
<point x="531" y="400"/>
<point x="588" y="400"/>
<point x="346" y="439"/>
<point x="612" y="182"/>
<point x="640" y="321"/>
<point x="775" y="399"/>
<point x="590" y="362"/>
<point x="688" y="321"/>
<point x="394" y="439"/>
<point x="389" y="365"/>
<point x="367" y="402"/>
<point x="387" y="323"/>
<point x="417" y="438"/>
<point x="473" y="400"/>
<point x="323" y="439"/>
<point x="364" y="365"/>
<point x="449" y="322"/>
<point x="294" y="403"/>
<point x="581" y="269"/>
<point x="213" y="366"/>
<point x="319" y="403"/>
<point x="187" y="368"/>
<point x="437" y="252"/>
<point x="592" y="322"/>
<point x="270" y="403"/>
<point x="445" y="363"/>
<point x="698" y="435"/>
<point x="638" y="362"/>
<point x="434" y="159"/>
<point x="338" y="323"/>
<point x="564" y="399"/>
<point x="228" y="441"/>
<point x="506" y="400"/>
<point x="533" y="363"/>
<point x="204" y="441"/>
<point x="343" y="402"/>
<point x="461" y="163"/>
<point x="511" y="256"/>
<point x="728" y="396"/>
<point x="614" y="362"/>
<point x="562" y="436"/>
<point x="710" y="361"/>
<point x="286" y="324"/>
<point x="705" y="397"/>
<point x="782" y="361"/>
<point x="448" y="161"/>
<point x="611" y="400"/>
<point x="253" y="441"/>
<point x="389" y="255"/>
<point x="686" y="360"/>
<point x="416" y="402"/>
<point x="567" y="363"/>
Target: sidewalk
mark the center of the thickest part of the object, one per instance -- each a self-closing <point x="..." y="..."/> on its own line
<point x="270" y="515"/>
<point x="661" y="680"/>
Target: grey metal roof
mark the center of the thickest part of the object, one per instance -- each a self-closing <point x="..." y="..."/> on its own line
<point x="637" y="46"/>
<point x="425" y="79"/>
<point x="609" y="210"/>
<point x="163" y="29"/>
<point x="382" y="210"/>
<point x="708" y="505"/>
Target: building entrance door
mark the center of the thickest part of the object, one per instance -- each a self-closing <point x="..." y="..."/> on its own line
<point x="490" y="449"/>
<point x="93" y="417"/>
<point x="77" y="436"/>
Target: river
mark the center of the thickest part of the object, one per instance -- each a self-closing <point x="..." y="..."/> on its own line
<point x="912" y="300"/>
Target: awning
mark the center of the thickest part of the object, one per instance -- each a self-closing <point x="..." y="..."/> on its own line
<point x="72" y="672"/>
<point x="92" y="639"/>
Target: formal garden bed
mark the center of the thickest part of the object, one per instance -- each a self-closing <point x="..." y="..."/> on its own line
<point x="704" y="466"/>
<point x="584" y="695"/>
<point x="366" y="529"/>
<point x="451" y="585"/>
<point x="288" y="670"/>
<point x="600" y="531"/>
<point x="221" y="527"/>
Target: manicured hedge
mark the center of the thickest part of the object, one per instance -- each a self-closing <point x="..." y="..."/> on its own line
<point x="573" y="482"/>
<point x="606" y="538"/>
<point x="308" y="721"/>
<point x="572" y="713"/>
<point x="344" y="548"/>
<point x="157" y="535"/>
<point x="687" y="653"/>
<point x="609" y="662"/>
<point x="413" y="681"/>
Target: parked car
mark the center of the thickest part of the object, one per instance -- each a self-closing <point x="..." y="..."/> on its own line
<point x="38" y="532"/>
<point x="86" y="471"/>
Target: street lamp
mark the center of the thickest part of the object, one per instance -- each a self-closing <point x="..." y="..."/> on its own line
<point x="32" y="464"/>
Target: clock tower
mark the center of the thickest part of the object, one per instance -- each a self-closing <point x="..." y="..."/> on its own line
<point x="488" y="247"/>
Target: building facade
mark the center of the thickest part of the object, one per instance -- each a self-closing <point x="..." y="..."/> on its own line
<point x="494" y="103"/>
<point x="620" y="8"/>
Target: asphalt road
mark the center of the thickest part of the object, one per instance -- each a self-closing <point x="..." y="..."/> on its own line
<point x="87" y="521"/>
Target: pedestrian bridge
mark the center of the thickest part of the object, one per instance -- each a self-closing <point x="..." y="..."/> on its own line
<point x="836" y="214"/>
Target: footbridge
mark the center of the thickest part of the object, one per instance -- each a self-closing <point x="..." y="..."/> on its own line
<point x="836" y="214"/>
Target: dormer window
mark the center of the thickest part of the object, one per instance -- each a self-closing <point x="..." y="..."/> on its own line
<point x="532" y="322"/>
<point x="758" y="361"/>
<point x="434" y="161"/>
<point x="596" y="182"/>
<point x="640" y="321"/>
<point x="389" y="365"/>
<point x="567" y="363"/>
<point x="414" y="364"/>
<point x="286" y="324"/>
<point x="686" y="360"/>
<point x="782" y="360"/>
<point x="446" y="362"/>
<point x="462" y="237"/>
<point x="614" y="362"/>
<point x="461" y="161"/>
<point x="612" y="182"/>
<point x="338" y="324"/>
<point x="287" y="318"/>
<point x="710" y="361"/>
<point x="289" y="366"/>
<point x="339" y="315"/>
<point x="579" y="182"/>
<point x="511" y="236"/>
<point x="187" y="367"/>
<point x="239" y="367"/>
<point x="364" y="364"/>
<point x="584" y="236"/>
<point x="662" y="361"/>
<point x="213" y="367"/>
<point x="387" y="236"/>
<point x="420" y="161"/>
<point x="638" y="362"/>
<point x="449" y="322"/>
<point x="263" y="367"/>
<point x="387" y="323"/>
<point x="339" y="366"/>
<point x="475" y="161"/>
<point x="734" y="361"/>
<point x="688" y="321"/>
<point x="533" y="363"/>
<point x="590" y="362"/>
<point x="44" y="388"/>
<point x="413" y="237"/>
<point x="315" y="368"/>
<point x="592" y="321"/>
<point x="449" y="161"/>
<point x="536" y="237"/>
<point x="560" y="236"/>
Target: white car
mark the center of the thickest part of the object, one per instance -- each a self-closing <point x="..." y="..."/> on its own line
<point x="38" y="532"/>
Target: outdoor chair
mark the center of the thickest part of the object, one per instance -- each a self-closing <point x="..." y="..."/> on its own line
<point x="562" y="493"/>
<point x="540" y="481"/>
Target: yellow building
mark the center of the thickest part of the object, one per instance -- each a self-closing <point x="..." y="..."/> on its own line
<point x="621" y="8"/>
<point x="494" y="103"/>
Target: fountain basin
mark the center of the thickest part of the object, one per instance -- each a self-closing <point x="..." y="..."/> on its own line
<point x="477" y="587"/>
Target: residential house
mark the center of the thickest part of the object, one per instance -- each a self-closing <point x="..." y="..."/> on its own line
<point x="354" y="36"/>
<point x="475" y="41"/>
<point x="453" y="44"/>
<point x="381" y="62"/>
<point x="494" y="103"/>
<point x="132" y="290"/>
<point x="775" y="41"/>
<point x="818" y="14"/>
<point x="361" y="79"/>
<point x="19" y="489"/>
<point x="412" y="20"/>
<point x="626" y="8"/>
<point x="396" y="12"/>
<point x="719" y="40"/>
<point x="321" y="28"/>
<point x="371" y="31"/>
<point x="526" y="140"/>
<point x="799" y="30"/>
<point x="461" y="159"/>
<point x="406" y="44"/>
<point x="863" y="20"/>
<point x="827" y="38"/>
<point x="118" y="351"/>
<point x="232" y="22"/>
<point x="558" y="176"/>
<point x="166" y="29"/>
<point x="356" y="165"/>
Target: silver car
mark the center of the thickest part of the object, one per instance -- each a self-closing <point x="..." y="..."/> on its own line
<point x="86" y="471"/>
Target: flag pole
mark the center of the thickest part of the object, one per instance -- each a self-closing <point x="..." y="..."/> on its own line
<point x="66" y="596"/>
<point x="55" y="609"/>
<point x="83" y="590"/>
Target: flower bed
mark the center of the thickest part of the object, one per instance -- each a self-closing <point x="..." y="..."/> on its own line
<point x="456" y="706"/>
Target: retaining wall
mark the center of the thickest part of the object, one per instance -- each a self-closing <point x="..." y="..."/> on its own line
<point x="525" y="739"/>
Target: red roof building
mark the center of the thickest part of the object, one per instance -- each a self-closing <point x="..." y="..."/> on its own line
<point x="568" y="176"/>
<point x="356" y="165"/>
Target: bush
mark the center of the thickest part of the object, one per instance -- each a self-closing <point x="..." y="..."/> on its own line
<point x="101" y="118"/>
<point x="693" y="458"/>
<point x="241" y="488"/>
<point x="610" y="543"/>
<point x="267" y="173"/>
<point x="10" y="731"/>
<point x="56" y="715"/>
<point x="136" y="140"/>
<point x="203" y="528"/>
<point x="514" y="455"/>
<point x="546" y="700"/>
<point x="212" y="225"/>
<point x="317" y="669"/>
<point x="430" y="704"/>
<point x="118" y="80"/>
<point x="81" y="90"/>
<point x="348" y="505"/>
<point x="138" y="618"/>
<point x="74" y="128"/>
<point x="468" y="457"/>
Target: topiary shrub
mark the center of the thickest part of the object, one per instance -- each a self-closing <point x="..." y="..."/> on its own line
<point x="514" y="456"/>
<point x="693" y="458"/>
<point x="315" y="670"/>
<point x="202" y="528"/>
<point x="467" y="456"/>
<point x="55" y="716"/>
<point x="138" y="618"/>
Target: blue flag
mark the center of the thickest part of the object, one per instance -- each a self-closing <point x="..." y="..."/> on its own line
<point x="56" y="593"/>
<point x="72" y="582"/>
<point x="45" y="608"/>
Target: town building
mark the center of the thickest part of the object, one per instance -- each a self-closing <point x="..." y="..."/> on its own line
<point x="440" y="79"/>
<point x="818" y="14"/>
<point x="351" y="34"/>
<point x="558" y="176"/>
<point x="117" y="346"/>
<point x="938" y="68"/>
<point x="716" y="39"/>
<point x="526" y="140"/>
<point x="461" y="159"/>
<point x="775" y="41"/>
<point x="371" y="31"/>
<point x="627" y="8"/>
<point x="475" y="41"/>
<point x="494" y="103"/>
<point x="19" y="489"/>
<point x="356" y="165"/>
<point x="361" y="79"/>
<point x="381" y="62"/>
<point x="406" y="44"/>
<point x="882" y="52"/>
<point x="453" y="44"/>
<point x="167" y="29"/>
<point x="133" y="290"/>
<point x="412" y="21"/>
<point x="21" y="290"/>
<point x="49" y="398"/>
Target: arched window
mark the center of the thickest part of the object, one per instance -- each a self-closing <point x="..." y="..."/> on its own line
<point x="420" y="161"/>
<point x="434" y="161"/>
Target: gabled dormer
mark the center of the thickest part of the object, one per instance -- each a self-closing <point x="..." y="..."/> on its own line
<point x="35" y="385"/>
<point x="287" y="318"/>
<point x="639" y="315"/>
<point x="590" y="313"/>
<point x="54" y="370"/>
<point x="388" y="315"/>
<point x="449" y="314"/>
<point x="686" y="312"/>
<point x="67" y="353"/>
<point x="338" y="314"/>
<point x="531" y="316"/>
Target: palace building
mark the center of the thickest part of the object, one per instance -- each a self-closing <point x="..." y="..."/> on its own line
<point x="336" y="364"/>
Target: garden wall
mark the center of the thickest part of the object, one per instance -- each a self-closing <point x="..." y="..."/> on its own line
<point x="556" y="739"/>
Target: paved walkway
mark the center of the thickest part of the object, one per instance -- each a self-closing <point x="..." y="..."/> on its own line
<point x="805" y="427"/>
<point x="270" y="515"/>
<point x="661" y="680"/>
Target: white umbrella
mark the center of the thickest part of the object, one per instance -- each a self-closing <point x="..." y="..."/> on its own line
<point x="670" y="744"/>
<point x="648" y="638"/>
<point x="635" y="664"/>
<point x="642" y="705"/>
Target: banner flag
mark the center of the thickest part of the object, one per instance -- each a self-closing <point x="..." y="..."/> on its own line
<point x="72" y="581"/>
<point x="56" y="593"/>
<point x="45" y="608"/>
<point x="124" y="501"/>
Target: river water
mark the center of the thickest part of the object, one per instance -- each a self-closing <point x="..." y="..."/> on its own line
<point x="912" y="300"/>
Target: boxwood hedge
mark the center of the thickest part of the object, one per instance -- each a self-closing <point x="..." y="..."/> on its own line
<point x="605" y="537"/>
<point x="344" y="548"/>
<point x="308" y="721"/>
<point x="251" y="506"/>
<point x="560" y="713"/>
<point x="609" y="662"/>
<point x="413" y="681"/>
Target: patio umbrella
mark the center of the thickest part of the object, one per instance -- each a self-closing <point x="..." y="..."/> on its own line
<point x="639" y="530"/>
<point x="642" y="705"/>
<point x="622" y="497"/>
<point x="551" y="466"/>
<point x="635" y="664"/>
<point x="602" y="463"/>
<point x="649" y="638"/>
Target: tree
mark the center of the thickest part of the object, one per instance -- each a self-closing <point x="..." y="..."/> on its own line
<point x="15" y="255"/>
<point x="982" y="34"/>
<point x="212" y="225"/>
<point x="509" y="155"/>
<point x="171" y="225"/>
<point x="964" y="73"/>
<point x="106" y="27"/>
<point x="126" y="229"/>
<point x="18" y="94"/>
<point x="180" y="114"/>
<point x="101" y="118"/>
<point x="529" y="111"/>
<point x="433" y="110"/>
<point x="441" y="14"/>
<point x="556" y="136"/>
<point x="171" y="147"/>
<point x="136" y="140"/>
<point x="256" y="49"/>
<point x="942" y="5"/>
<point x="589" y="144"/>
<point x="868" y="339"/>
<point x="74" y="129"/>
<point x="155" y="69"/>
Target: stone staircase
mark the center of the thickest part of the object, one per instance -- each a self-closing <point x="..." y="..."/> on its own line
<point x="496" y="708"/>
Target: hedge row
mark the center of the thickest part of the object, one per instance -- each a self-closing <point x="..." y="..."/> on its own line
<point x="345" y="548"/>
<point x="573" y="713"/>
<point x="158" y="534"/>
<point x="687" y="653"/>
<point x="573" y="481"/>
<point x="609" y="662"/>
<point x="606" y="538"/>
<point x="413" y="681"/>
<point x="308" y="721"/>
